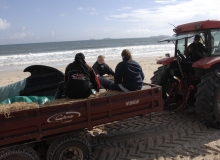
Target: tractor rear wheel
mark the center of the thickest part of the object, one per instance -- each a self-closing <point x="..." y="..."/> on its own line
<point x="163" y="78"/>
<point x="208" y="98"/>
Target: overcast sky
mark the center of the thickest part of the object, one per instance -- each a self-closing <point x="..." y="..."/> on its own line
<point x="29" y="21"/>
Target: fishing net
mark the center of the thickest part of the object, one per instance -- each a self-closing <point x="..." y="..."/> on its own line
<point x="6" y="109"/>
<point x="68" y="101"/>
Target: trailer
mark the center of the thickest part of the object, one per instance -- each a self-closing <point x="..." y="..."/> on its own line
<point x="58" y="132"/>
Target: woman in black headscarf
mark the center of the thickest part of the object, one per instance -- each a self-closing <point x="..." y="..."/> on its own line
<point x="78" y="76"/>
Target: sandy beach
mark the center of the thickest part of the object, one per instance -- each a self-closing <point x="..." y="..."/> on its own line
<point x="148" y="65"/>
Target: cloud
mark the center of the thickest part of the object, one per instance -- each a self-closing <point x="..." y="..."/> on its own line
<point x="137" y="31"/>
<point x="157" y="19"/>
<point x="165" y="1"/>
<point x="177" y="13"/>
<point x="124" y="8"/>
<point x="86" y="9"/>
<point x="106" y="30"/>
<point x="38" y="9"/>
<point x="93" y="13"/>
<point x="121" y="9"/>
<point x="21" y="35"/>
<point x="5" y="7"/>
<point x="62" y="15"/>
<point x="22" y="29"/>
<point x="90" y="10"/>
<point x="4" y="24"/>
<point x="80" y="8"/>
<point x="52" y="33"/>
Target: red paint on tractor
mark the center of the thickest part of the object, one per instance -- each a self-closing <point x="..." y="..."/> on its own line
<point x="206" y="62"/>
<point x="208" y="24"/>
<point x="166" y="61"/>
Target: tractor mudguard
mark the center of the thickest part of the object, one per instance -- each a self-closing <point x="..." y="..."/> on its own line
<point x="206" y="62"/>
<point x="166" y="61"/>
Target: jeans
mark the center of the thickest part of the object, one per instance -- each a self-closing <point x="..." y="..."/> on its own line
<point x="60" y="90"/>
<point x="109" y="84"/>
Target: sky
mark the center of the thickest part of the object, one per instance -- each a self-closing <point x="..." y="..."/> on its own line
<point x="29" y="21"/>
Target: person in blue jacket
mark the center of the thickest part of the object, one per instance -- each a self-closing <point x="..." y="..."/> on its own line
<point x="128" y="75"/>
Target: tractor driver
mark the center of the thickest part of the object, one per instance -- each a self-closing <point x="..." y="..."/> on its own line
<point x="196" y="50"/>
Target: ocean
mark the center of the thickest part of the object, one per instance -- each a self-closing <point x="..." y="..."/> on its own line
<point x="20" y="56"/>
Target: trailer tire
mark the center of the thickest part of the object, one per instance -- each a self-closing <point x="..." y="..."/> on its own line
<point x="71" y="146"/>
<point x="18" y="153"/>
<point x="208" y="98"/>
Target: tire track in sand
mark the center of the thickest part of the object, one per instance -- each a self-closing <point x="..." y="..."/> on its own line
<point x="166" y="136"/>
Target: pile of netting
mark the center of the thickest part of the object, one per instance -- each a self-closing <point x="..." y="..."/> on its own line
<point x="6" y="109"/>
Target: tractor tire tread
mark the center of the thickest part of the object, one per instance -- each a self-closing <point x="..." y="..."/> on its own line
<point x="205" y="98"/>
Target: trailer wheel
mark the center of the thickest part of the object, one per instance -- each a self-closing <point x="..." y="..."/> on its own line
<point x="208" y="98"/>
<point x="69" y="147"/>
<point x="18" y="153"/>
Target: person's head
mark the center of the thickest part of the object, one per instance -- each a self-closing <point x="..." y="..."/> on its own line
<point x="80" y="61"/>
<point x="126" y="54"/>
<point x="196" y="39"/>
<point x="79" y="57"/>
<point x="101" y="59"/>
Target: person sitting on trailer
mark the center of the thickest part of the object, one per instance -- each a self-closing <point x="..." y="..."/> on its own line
<point x="128" y="75"/>
<point x="196" y="50"/>
<point x="78" y="79"/>
<point x="101" y="68"/>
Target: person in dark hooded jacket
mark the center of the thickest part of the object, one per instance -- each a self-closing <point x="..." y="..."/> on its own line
<point x="128" y="75"/>
<point x="196" y="50"/>
<point x="78" y="79"/>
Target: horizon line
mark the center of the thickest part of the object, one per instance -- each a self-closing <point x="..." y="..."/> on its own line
<point x="91" y="39"/>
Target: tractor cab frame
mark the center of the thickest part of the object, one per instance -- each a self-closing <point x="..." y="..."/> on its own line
<point x="210" y="37"/>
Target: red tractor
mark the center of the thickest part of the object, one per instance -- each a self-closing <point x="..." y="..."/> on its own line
<point x="193" y="82"/>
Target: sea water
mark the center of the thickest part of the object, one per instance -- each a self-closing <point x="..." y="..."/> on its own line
<point x="20" y="56"/>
